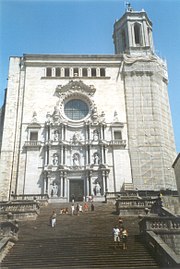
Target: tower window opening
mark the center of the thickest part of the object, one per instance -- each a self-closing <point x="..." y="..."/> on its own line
<point x="93" y="72"/>
<point x="123" y="37"/>
<point x="102" y="72"/>
<point x="48" y="72"/>
<point x="58" y="72"/>
<point x="137" y="34"/>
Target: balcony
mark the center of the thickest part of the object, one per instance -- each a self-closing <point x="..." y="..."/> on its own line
<point x="32" y="144"/>
<point x="118" y="142"/>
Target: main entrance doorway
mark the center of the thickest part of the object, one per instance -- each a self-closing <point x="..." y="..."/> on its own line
<point x="76" y="190"/>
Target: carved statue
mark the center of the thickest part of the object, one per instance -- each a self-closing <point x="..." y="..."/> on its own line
<point x="76" y="159"/>
<point x="95" y="136"/>
<point x="55" y="159"/>
<point x="96" y="158"/>
<point x="54" y="190"/>
<point x="56" y="135"/>
<point x="97" y="189"/>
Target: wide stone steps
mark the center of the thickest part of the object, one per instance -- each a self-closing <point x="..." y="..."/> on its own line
<point x="83" y="241"/>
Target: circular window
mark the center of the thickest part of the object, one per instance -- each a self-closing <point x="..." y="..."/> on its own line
<point x="76" y="109"/>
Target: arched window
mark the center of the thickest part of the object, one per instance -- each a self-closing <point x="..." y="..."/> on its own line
<point x="58" y="72"/>
<point x="102" y="72"/>
<point x="137" y="34"/>
<point x="93" y="72"/>
<point x="84" y="72"/>
<point x="48" y="72"/>
<point x="75" y="72"/>
<point x="66" y="72"/>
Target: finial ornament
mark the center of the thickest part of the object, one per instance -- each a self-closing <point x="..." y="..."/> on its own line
<point x="129" y="8"/>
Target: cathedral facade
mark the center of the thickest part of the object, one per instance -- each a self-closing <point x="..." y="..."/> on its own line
<point x="82" y="125"/>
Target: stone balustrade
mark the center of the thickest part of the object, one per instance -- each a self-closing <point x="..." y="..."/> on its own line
<point x="159" y="224"/>
<point x="14" y="207"/>
<point x="19" y="210"/>
<point x="33" y="143"/>
<point x="38" y="197"/>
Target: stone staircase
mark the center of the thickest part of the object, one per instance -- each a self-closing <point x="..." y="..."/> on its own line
<point x="83" y="241"/>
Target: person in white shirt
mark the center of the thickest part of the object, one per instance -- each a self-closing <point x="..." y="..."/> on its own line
<point x="72" y="209"/>
<point x="116" y="234"/>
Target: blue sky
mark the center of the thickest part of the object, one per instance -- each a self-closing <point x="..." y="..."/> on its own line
<point x="85" y="27"/>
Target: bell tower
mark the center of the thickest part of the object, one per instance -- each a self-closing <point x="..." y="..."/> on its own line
<point x="133" y="33"/>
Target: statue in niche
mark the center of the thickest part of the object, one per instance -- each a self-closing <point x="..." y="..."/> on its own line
<point x="55" y="159"/>
<point x="95" y="135"/>
<point x="97" y="189"/>
<point x="96" y="158"/>
<point x="75" y="138"/>
<point x="34" y="117"/>
<point x="54" y="190"/>
<point x="56" y="135"/>
<point x="76" y="159"/>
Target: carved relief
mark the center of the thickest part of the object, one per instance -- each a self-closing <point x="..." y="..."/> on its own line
<point x="75" y="86"/>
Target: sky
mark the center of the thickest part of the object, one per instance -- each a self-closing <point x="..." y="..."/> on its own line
<point x="85" y="27"/>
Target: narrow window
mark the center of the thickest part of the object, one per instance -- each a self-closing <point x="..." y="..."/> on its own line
<point x="66" y="72"/>
<point x="84" y="72"/>
<point x="93" y="72"/>
<point x="117" y="135"/>
<point x="58" y="72"/>
<point x="123" y="37"/>
<point x="102" y="72"/>
<point x="137" y="34"/>
<point x="76" y="72"/>
<point x="33" y="136"/>
<point x="48" y="72"/>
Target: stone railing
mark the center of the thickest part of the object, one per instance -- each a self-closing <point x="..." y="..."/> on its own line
<point x="161" y="235"/>
<point x="113" y="196"/>
<point x="159" y="224"/>
<point x="18" y="206"/>
<point x="37" y="197"/>
<point x="19" y="210"/>
<point x="118" y="142"/>
<point x="133" y="206"/>
<point x="32" y="144"/>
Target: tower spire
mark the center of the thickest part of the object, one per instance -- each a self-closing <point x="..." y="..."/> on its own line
<point x="133" y="33"/>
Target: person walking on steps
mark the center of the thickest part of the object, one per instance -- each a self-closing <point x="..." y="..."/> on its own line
<point x="53" y="219"/>
<point x="124" y="235"/>
<point x="116" y="235"/>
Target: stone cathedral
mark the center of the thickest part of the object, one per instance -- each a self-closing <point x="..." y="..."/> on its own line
<point x="82" y="125"/>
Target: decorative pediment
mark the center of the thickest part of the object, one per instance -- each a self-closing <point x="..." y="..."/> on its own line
<point x="75" y="86"/>
<point x="34" y="123"/>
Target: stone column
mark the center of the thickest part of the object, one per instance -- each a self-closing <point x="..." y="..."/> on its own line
<point x="61" y="185"/>
<point x="104" y="184"/>
<point x="106" y="181"/>
<point x="65" y="184"/>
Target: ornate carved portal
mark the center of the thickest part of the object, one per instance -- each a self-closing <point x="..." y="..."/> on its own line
<point x="76" y="145"/>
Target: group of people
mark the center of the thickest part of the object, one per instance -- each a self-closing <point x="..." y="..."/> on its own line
<point x="120" y="233"/>
<point x="78" y="209"/>
<point x="75" y="210"/>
